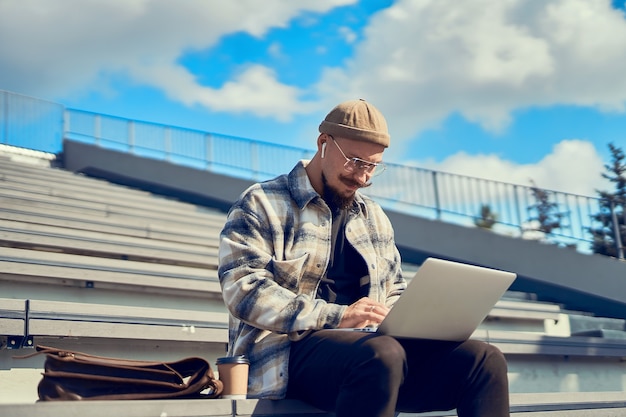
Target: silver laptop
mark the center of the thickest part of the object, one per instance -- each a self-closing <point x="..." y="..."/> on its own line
<point x="445" y="300"/>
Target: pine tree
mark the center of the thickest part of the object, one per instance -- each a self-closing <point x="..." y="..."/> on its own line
<point x="612" y="214"/>
<point x="547" y="214"/>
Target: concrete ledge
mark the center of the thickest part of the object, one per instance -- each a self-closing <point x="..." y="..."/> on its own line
<point x="104" y="245"/>
<point x="536" y="344"/>
<point x="527" y="310"/>
<point x="42" y="183"/>
<point x="82" y="271"/>
<point x="38" y="257"/>
<point x="139" y="217"/>
<point x="89" y="278"/>
<point x="170" y="232"/>
<point x="13" y="316"/>
<point x="22" y="319"/>
<point x="581" y="404"/>
<point x="63" y="319"/>
<point x="149" y="408"/>
<point x="570" y="404"/>
<point x="603" y="333"/>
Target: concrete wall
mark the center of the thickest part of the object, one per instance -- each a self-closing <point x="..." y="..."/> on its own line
<point x="193" y="185"/>
<point x="585" y="282"/>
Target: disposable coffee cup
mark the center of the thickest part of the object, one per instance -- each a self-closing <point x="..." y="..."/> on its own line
<point x="233" y="372"/>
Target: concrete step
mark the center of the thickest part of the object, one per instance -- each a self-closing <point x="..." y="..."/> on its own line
<point x="608" y="404"/>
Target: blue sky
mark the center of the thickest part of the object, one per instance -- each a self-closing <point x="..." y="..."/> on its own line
<point x="508" y="90"/>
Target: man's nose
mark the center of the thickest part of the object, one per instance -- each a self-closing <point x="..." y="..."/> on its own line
<point x="361" y="176"/>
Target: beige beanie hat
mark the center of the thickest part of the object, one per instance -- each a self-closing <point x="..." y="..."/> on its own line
<point x="358" y="120"/>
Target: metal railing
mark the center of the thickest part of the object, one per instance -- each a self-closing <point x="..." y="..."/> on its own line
<point x="224" y="154"/>
<point x="31" y="123"/>
<point x="512" y="208"/>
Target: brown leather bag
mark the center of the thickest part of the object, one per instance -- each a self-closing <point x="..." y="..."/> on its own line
<point x="70" y="375"/>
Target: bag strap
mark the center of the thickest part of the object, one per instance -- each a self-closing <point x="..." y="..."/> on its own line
<point x="81" y="356"/>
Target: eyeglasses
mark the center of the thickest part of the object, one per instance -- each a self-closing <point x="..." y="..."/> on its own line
<point x="357" y="164"/>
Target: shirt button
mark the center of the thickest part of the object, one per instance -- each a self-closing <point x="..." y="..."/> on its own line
<point x="373" y="266"/>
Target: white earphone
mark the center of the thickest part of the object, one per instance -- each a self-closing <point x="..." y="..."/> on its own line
<point x="323" y="149"/>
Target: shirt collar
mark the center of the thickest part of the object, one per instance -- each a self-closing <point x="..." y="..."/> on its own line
<point x="303" y="192"/>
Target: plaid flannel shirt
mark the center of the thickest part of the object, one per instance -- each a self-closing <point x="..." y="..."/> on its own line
<point x="274" y="248"/>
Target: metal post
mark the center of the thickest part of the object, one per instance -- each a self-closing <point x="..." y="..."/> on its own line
<point x="131" y="136"/>
<point x="436" y="192"/>
<point x="254" y="161"/>
<point x="518" y="211"/>
<point x="67" y="123"/>
<point x="208" y="145"/>
<point x="616" y="231"/>
<point x="168" y="144"/>
<point x="96" y="129"/>
<point x="5" y="100"/>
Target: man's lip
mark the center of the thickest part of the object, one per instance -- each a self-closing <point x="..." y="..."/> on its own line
<point x="351" y="185"/>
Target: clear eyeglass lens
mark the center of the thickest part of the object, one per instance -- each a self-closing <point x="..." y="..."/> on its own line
<point x="356" y="164"/>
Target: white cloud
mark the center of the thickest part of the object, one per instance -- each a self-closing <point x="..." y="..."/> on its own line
<point x="249" y="91"/>
<point x="63" y="46"/>
<point x="573" y="166"/>
<point x="348" y="34"/>
<point x="275" y="50"/>
<point x="421" y="60"/>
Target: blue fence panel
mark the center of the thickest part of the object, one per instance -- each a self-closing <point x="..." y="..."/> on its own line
<point x="30" y="123"/>
<point x="189" y="147"/>
<point x="80" y="126"/>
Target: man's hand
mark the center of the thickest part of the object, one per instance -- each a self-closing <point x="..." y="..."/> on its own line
<point x="364" y="312"/>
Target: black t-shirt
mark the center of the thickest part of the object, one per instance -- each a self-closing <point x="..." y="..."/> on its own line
<point x="342" y="283"/>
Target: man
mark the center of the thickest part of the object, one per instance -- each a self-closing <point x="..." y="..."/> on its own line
<point x="306" y="253"/>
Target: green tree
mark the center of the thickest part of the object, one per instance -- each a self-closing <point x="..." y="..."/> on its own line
<point x="544" y="212"/>
<point x="610" y="235"/>
<point x="486" y="218"/>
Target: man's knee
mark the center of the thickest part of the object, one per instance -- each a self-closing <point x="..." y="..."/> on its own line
<point x="492" y="353"/>
<point x="488" y="357"/>
<point x="496" y="360"/>
<point x="386" y="353"/>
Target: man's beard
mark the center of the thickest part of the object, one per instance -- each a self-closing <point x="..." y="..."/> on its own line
<point x="335" y="200"/>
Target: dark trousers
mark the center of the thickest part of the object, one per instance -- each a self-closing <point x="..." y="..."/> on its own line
<point x="360" y="374"/>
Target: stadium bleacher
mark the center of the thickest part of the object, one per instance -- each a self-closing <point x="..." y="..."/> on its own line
<point x="111" y="270"/>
